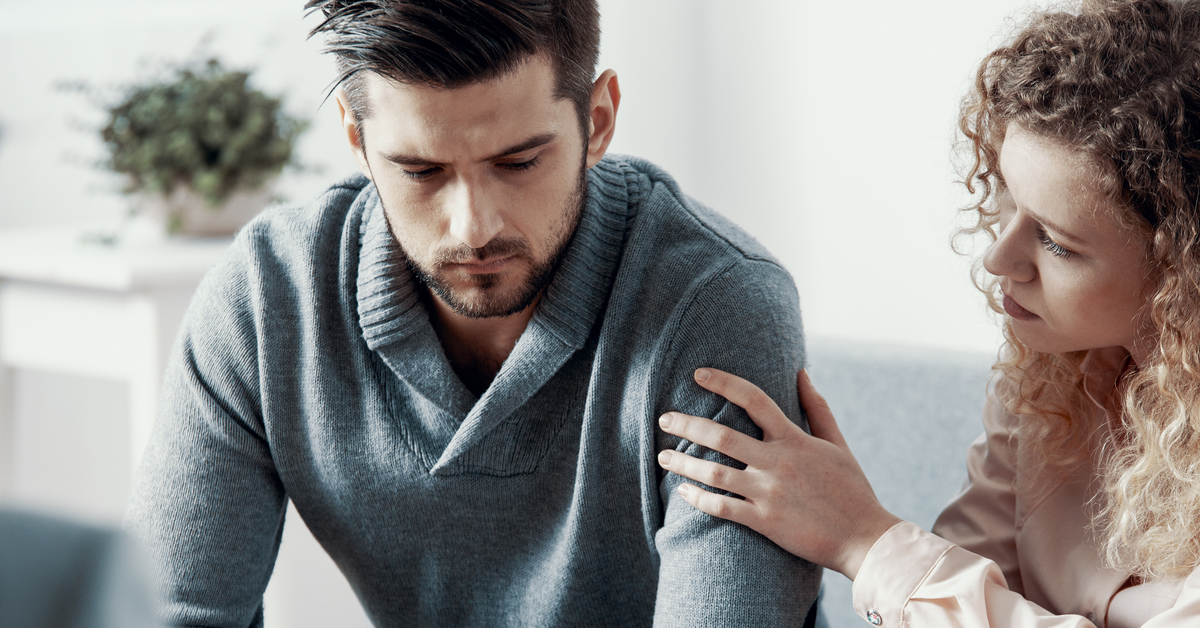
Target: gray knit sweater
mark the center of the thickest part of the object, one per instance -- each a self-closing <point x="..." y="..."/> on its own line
<point x="307" y="369"/>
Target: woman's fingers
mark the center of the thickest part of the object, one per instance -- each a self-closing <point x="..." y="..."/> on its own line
<point x="761" y="408"/>
<point x="709" y="433"/>
<point x="723" y="506"/>
<point x="820" y="418"/>
<point x="807" y="494"/>
<point x="711" y="473"/>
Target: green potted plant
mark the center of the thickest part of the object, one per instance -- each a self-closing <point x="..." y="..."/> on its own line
<point x="199" y="148"/>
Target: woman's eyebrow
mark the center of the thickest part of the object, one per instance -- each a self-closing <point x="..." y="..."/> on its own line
<point x="1067" y="235"/>
<point x="1055" y="227"/>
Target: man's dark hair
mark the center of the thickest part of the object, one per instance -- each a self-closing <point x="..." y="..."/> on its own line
<point x="453" y="43"/>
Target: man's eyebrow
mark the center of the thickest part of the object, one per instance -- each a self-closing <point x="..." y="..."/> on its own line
<point x="409" y="160"/>
<point x="533" y="142"/>
<point x="520" y="147"/>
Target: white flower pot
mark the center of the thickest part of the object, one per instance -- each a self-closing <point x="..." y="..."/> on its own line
<point x="185" y="213"/>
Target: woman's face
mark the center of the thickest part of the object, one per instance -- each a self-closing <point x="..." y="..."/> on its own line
<point x="1072" y="278"/>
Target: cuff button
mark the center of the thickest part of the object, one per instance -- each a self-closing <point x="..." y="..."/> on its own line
<point x="874" y="618"/>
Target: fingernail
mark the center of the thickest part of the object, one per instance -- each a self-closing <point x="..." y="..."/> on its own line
<point x="686" y="490"/>
<point x="702" y="375"/>
<point x="664" y="421"/>
<point x="664" y="457"/>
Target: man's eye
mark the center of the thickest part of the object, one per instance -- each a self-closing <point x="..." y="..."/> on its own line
<point x="519" y="166"/>
<point x="421" y="175"/>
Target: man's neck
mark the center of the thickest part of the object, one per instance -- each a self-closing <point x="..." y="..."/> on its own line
<point x="477" y="347"/>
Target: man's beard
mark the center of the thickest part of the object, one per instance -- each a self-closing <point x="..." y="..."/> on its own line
<point x="491" y="303"/>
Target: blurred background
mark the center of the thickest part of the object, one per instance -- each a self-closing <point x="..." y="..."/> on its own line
<point x="823" y="128"/>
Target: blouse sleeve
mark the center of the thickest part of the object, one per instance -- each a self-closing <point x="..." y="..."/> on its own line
<point x="914" y="578"/>
<point x="967" y="574"/>
<point x="983" y="517"/>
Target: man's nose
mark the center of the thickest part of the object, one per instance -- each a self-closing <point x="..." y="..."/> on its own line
<point x="474" y="214"/>
<point x="1010" y="255"/>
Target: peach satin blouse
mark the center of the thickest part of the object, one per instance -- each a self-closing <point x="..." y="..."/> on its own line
<point x="1003" y="558"/>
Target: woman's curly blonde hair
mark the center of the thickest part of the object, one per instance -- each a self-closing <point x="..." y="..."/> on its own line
<point x="1117" y="81"/>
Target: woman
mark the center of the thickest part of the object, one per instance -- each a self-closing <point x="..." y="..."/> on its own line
<point x="1082" y="506"/>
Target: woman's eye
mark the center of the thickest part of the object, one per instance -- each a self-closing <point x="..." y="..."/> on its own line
<point x="1055" y="249"/>
<point x="519" y="166"/>
<point x="421" y="175"/>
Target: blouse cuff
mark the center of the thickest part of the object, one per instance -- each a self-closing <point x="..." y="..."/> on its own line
<point x="896" y="565"/>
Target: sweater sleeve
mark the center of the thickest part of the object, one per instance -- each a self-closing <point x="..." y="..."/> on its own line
<point x="207" y="502"/>
<point x="715" y="572"/>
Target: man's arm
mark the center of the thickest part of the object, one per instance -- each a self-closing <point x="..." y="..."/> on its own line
<point x="207" y="502"/>
<point x="713" y="572"/>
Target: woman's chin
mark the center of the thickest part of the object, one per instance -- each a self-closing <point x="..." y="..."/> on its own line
<point x="1038" y="340"/>
<point x="1048" y="343"/>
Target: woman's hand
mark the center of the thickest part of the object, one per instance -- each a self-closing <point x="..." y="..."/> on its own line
<point x="805" y="493"/>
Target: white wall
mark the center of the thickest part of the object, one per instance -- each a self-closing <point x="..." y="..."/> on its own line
<point x="49" y="144"/>
<point x="822" y="127"/>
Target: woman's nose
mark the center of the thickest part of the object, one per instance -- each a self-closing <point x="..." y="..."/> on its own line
<point x="1011" y="255"/>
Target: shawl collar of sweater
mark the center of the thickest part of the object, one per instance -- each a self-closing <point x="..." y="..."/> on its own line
<point x="395" y="324"/>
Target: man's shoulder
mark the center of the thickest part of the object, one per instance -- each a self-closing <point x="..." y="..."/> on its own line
<point x="287" y="250"/>
<point x="304" y="223"/>
<point x="672" y="230"/>
<point x="665" y="209"/>
<point x="688" y="275"/>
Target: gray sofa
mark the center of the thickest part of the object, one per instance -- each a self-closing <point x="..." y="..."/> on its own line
<point x="909" y="416"/>
<point x="56" y="573"/>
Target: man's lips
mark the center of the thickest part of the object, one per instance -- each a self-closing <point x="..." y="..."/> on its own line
<point x="483" y="267"/>
<point x="1015" y="310"/>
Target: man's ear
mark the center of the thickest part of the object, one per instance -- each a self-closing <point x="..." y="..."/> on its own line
<point x="350" y="126"/>
<point x="606" y="98"/>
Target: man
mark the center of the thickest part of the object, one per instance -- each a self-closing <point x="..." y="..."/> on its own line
<point x="453" y="364"/>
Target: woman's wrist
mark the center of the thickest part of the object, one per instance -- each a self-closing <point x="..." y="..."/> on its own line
<point x="859" y="544"/>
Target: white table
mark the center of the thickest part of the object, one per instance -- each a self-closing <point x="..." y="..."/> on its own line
<point x="112" y="313"/>
<point x="93" y="310"/>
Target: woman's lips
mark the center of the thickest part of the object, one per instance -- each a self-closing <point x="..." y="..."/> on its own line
<point x="1015" y="310"/>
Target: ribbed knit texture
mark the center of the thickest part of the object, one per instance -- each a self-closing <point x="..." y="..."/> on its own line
<point x="307" y="369"/>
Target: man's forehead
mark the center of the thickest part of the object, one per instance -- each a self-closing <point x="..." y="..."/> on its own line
<point x="530" y="82"/>
<point x="479" y="118"/>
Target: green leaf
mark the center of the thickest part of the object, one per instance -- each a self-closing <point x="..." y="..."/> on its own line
<point x="204" y="126"/>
